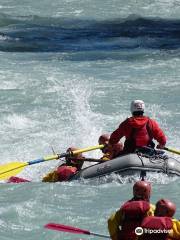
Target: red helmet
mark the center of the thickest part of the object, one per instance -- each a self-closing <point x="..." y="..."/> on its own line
<point x="78" y="155"/>
<point x="142" y="190"/>
<point x="104" y="139"/>
<point x="165" y="208"/>
<point x="71" y="149"/>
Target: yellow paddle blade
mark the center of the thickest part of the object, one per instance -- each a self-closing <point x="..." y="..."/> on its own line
<point x="10" y="169"/>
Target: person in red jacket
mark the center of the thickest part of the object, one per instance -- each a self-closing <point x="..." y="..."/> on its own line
<point x="66" y="170"/>
<point x="138" y="130"/>
<point x="113" y="152"/>
<point x="161" y="226"/>
<point x="123" y="222"/>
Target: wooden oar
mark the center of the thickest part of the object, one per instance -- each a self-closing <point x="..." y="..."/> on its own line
<point x="11" y="169"/>
<point x="70" y="229"/>
<point x="172" y="150"/>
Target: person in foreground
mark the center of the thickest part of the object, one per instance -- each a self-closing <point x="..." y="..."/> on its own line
<point x="138" y="130"/>
<point x="66" y="170"/>
<point x="161" y="226"/>
<point x="122" y="223"/>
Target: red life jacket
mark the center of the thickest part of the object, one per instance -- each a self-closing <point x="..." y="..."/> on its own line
<point x="65" y="172"/>
<point x="160" y="225"/>
<point x="139" y="137"/>
<point x="133" y="212"/>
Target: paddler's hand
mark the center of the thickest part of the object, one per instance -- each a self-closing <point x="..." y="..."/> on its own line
<point x="105" y="148"/>
<point x="109" y="147"/>
<point x="160" y="146"/>
<point x="106" y="157"/>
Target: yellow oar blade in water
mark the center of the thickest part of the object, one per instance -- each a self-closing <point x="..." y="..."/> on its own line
<point x="10" y="169"/>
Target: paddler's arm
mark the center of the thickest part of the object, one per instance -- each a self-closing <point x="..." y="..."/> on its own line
<point x="114" y="224"/>
<point x="151" y="210"/>
<point x="119" y="133"/>
<point x="175" y="231"/>
<point x="158" y="134"/>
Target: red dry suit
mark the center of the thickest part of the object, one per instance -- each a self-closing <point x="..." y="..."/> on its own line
<point x="133" y="212"/>
<point x="139" y="131"/>
<point x="156" y="228"/>
<point x="65" y="172"/>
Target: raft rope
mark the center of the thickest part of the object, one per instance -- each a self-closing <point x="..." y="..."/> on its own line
<point x="155" y="159"/>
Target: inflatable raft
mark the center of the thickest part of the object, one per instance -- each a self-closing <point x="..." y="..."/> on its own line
<point x="143" y="161"/>
<point x="132" y="164"/>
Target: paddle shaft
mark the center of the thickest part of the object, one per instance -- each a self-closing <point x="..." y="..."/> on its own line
<point x="71" y="229"/>
<point x="99" y="235"/>
<point x="87" y="149"/>
<point x="88" y="159"/>
<point x="43" y="159"/>
<point x="57" y="156"/>
<point x="11" y="169"/>
<point x="172" y="150"/>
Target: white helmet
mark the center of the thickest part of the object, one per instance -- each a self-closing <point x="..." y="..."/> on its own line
<point x="137" y="106"/>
